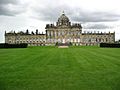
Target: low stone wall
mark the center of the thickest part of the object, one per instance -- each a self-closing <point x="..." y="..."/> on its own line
<point x="63" y="46"/>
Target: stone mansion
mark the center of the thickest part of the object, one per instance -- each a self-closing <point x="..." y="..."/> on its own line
<point x="62" y="32"/>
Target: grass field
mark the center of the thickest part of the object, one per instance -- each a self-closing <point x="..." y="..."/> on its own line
<point x="51" y="68"/>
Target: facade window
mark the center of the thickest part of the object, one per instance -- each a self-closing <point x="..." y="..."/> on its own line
<point x="10" y="41"/>
<point x="17" y="41"/>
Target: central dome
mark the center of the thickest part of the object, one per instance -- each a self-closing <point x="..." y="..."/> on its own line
<point x="63" y="20"/>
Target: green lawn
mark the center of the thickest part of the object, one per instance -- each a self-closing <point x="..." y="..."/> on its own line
<point x="52" y="68"/>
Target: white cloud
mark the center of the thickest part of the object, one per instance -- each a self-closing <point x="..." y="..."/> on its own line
<point x="35" y="14"/>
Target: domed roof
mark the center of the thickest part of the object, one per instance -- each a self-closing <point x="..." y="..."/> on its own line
<point x="63" y="18"/>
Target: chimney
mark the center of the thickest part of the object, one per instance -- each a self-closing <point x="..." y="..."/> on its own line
<point x="36" y="31"/>
<point x="27" y="31"/>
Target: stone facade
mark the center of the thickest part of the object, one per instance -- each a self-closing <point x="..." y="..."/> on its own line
<point x="33" y="39"/>
<point x="62" y="32"/>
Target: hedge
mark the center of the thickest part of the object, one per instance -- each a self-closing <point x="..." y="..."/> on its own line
<point x="110" y="45"/>
<point x="6" y="45"/>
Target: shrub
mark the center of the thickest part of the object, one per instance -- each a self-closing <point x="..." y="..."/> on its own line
<point x="6" y="45"/>
<point x="110" y="45"/>
<point x="56" y="44"/>
<point x="70" y="44"/>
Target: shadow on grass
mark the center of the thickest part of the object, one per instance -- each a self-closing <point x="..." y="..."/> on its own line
<point x="116" y="85"/>
<point x="2" y="86"/>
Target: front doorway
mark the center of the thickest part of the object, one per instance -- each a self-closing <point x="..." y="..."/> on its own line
<point x="63" y="41"/>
